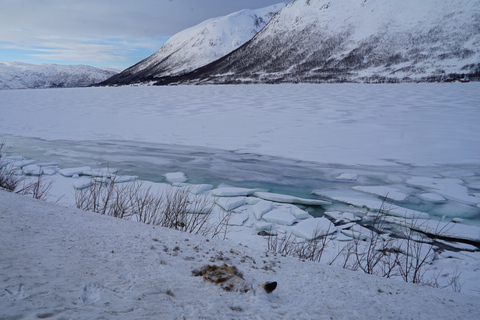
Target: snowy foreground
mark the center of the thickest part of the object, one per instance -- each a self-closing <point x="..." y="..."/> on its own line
<point x="62" y="263"/>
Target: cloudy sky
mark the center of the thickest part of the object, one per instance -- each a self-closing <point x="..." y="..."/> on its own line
<point x="102" y="33"/>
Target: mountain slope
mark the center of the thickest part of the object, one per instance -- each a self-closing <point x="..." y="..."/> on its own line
<point x="356" y="40"/>
<point x="199" y="45"/>
<point x="17" y="75"/>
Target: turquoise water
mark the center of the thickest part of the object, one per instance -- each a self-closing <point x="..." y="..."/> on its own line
<point x="207" y="165"/>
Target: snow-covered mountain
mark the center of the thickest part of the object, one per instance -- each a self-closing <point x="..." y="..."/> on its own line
<point x="356" y="40"/>
<point x="199" y="45"/>
<point x="17" y="75"/>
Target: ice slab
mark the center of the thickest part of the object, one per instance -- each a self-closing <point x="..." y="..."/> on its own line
<point x="238" y="219"/>
<point x="357" y="232"/>
<point x="383" y="191"/>
<point x="49" y="171"/>
<point x="441" y="228"/>
<point x="474" y="185"/>
<point x="123" y="179"/>
<point x="347" y="176"/>
<point x="70" y="172"/>
<point x="233" y="192"/>
<point x="101" y="172"/>
<point x="230" y="203"/>
<point x="23" y="163"/>
<point x="310" y="229"/>
<point x="358" y="199"/>
<point x="432" y="197"/>
<point x="279" y="216"/>
<point x="194" y="188"/>
<point x="282" y="198"/>
<point x="32" y="169"/>
<point x="82" y="182"/>
<point x="297" y="212"/>
<point x="173" y="177"/>
<point x="449" y="188"/>
<point x="262" y="207"/>
<point x="340" y="216"/>
<point x="263" y="225"/>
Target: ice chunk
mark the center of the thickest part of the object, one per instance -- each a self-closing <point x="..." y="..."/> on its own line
<point x="49" y="171"/>
<point x="280" y="216"/>
<point x="233" y="192"/>
<point x="474" y="185"/>
<point x="299" y="213"/>
<point x="194" y="188"/>
<point x="32" y="169"/>
<point x="458" y="245"/>
<point x="102" y="172"/>
<point x="357" y="232"/>
<point x="122" y="179"/>
<point x="69" y="172"/>
<point x="313" y="228"/>
<point x="261" y="208"/>
<point x="449" y="188"/>
<point x="238" y="219"/>
<point x="173" y="177"/>
<point x="82" y="183"/>
<point x="373" y="204"/>
<point x="432" y="197"/>
<point x="383" y="191"/>
<point x="23" y="163"/>
<point x="230" y="203"/>
<point x="441" y="228"/>
<point x="263" y="225"/>
<point x="276" y="197"/>
<point x="347" y="177"/>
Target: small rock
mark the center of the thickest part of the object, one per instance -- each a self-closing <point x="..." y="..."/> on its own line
<point x="269" y="286"/>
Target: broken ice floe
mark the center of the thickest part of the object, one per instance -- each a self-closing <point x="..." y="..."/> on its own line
<point x="32" y="169"/>
<point x="262" y="207"/>
<point x="233" y="192"/>
<point x="279" y="216"/>
<point x="194" y="188"/>
<point x="383" y="191"/>
<point x="70" y="172"/>
<point x="101" y="172"/>
<point x="347" y="176"/>
<point x="312" y="228"/>
<point x="230" y="203"/>
<point x="432" y="197"/>
<point x="173" y="177"/>
<point x="360" y="200"/>
<point x="282" y="198"/>
<point x="449" y="188"/>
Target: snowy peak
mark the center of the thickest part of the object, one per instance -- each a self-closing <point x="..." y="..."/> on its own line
<point x="199" y="45"/>
<point x="357" y="40"/>
<point x="17" y="75"/>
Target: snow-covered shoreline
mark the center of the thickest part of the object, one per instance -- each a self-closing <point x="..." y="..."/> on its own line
<point x="421" y="135"/>
<point x="61" y="262"/>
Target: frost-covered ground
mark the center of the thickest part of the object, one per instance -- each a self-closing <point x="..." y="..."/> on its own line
<point x="61" y="263"/>
<point x="348" y="144"/>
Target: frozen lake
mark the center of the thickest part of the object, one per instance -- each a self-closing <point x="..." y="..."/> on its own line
<point x="422" y="140"/>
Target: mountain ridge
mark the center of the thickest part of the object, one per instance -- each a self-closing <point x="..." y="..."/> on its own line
<point x="354" y="41"/>
<point x="18" y="75"/>
<point x="199" y="45"/>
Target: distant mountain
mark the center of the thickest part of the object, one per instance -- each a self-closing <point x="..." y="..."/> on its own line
<point x="199" y="45"/>
<point x="17" y="75"/>
<point x="355" y="40"/>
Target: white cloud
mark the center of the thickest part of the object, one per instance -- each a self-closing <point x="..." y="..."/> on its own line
<point x="102" y="30"/>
